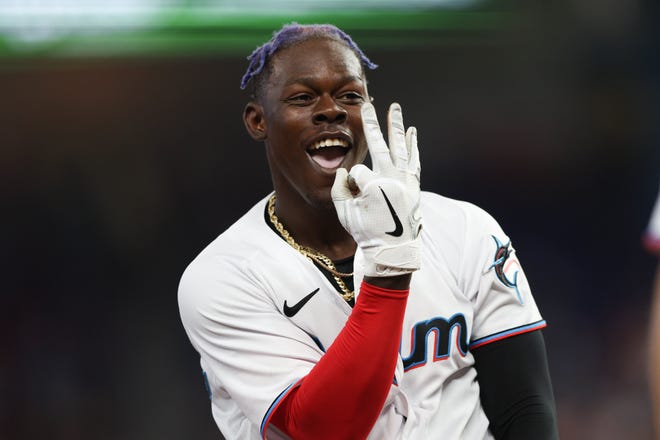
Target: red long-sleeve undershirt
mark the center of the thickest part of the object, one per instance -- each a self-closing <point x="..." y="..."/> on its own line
<point x="344" y="393"/>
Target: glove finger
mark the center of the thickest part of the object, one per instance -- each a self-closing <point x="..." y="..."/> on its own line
<point x="361" y="176"/>
<point x="409" y="140"/>
<point x="396" y="137"/>
<point x="380" y="155"/>
<point x="340" y="190"/>
<point x="413" y="161"/>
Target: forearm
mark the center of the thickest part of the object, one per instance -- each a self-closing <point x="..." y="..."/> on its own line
<point x="343" y="394"/>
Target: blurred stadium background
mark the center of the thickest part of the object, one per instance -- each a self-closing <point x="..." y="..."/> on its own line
<point x="123" y="153"/>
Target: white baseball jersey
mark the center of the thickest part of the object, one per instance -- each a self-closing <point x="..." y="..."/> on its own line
<point x="470" y="290"/>
<point x="652" y="233"/>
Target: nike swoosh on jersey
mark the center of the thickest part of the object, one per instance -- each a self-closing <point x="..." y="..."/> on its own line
<point x="398" y="227"/>
<point x="291" y="311"/>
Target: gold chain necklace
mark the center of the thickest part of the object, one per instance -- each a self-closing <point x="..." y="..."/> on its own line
<point x="310" y="253"/>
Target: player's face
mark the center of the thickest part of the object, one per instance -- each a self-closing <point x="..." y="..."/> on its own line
<point x="311" y="109"/>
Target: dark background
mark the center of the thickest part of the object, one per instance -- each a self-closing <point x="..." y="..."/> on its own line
<point x="116" y="172"/>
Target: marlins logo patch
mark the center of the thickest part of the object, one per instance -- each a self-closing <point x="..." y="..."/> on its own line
<point x="506" y="266"/>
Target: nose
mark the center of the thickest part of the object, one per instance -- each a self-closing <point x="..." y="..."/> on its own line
<point x="327" y="110"/>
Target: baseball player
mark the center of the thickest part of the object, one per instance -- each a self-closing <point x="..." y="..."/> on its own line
<point x="348" y="304"/>
<point x="652" y="244"/>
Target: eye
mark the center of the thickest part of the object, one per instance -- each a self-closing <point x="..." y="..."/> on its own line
<point x="300" y="99"/>
<point x="351" y="98"/>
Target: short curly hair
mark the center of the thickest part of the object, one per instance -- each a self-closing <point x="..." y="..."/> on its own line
<point x="290" y="34"/>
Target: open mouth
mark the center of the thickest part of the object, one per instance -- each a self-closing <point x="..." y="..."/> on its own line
<point x="328" y="153"/>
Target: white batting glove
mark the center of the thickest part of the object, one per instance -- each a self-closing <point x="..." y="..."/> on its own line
<point x="382" y="213"/>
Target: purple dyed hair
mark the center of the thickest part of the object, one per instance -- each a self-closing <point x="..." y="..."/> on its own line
<point x="288" y="36"/>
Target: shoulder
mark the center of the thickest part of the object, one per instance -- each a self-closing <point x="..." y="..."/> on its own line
<point x="454" y="216"/>
<point x="224" y="270"/>
<point x="463" y="235"/>
<point x="238" y="243"/>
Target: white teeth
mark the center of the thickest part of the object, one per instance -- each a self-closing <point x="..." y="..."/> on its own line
<point x="329" y="143"/>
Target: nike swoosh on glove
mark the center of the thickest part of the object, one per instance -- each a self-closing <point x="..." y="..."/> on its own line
<point x="383" y="216"/>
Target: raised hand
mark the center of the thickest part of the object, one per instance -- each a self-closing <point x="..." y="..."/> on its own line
<point x="380" y="208"/>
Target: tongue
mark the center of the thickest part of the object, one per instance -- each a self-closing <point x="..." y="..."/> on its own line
<point x="329" y="157"/>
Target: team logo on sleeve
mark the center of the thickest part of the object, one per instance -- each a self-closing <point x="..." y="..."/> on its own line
<point x="506" y="266"/>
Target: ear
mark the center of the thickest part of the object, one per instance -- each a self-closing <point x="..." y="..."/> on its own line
<point x="253" y="117"/>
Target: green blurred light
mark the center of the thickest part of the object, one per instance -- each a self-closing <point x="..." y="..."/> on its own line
<point x="193" y="32"/>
